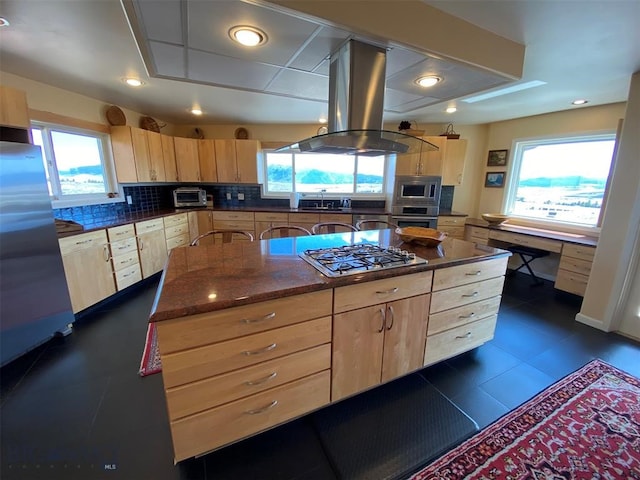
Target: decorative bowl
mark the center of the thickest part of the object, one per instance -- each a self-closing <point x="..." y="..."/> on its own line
<point x="428" y="237"/>
<point x="494" y="218"/>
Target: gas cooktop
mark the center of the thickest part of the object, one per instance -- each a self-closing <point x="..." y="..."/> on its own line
<point x="359" y="258"/>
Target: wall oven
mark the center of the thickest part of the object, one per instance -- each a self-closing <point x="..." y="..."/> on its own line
<point x="414" y="221"/>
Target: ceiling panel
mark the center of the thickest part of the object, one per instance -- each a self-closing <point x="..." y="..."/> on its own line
<point x="301" y="85"/>
<point x="399" y="59"/>
<point x="169" y="60"/>
<point x="325" y="41"/>
<point x="394" y="99"/>
<point x="162" y="20"/>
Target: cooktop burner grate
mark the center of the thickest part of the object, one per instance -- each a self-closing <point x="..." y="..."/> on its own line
<point x="358" y="258"/>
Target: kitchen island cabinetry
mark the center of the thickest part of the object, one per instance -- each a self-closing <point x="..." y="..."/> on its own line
<point x="87" y="267"/>
<point x="152" y="246"/>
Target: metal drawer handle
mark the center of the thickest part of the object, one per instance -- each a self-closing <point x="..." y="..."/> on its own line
<point x="263" y="409"/>
<point x="474" y="294"/>
<point x="392" y="317"/>
<point x="262" y="380"/>
<point x="386" y="292"/>
<point x="474" y="274"/>
<point x="106" y="254"/>
<point x="249" y="321"/>
<point x="384" y="320"/>
<point x="468" y="335"/>
<point x="471" y="315"/>
<point x="261" y="350"/>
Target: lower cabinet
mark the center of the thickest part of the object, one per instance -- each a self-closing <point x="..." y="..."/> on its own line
<point x="452" y="225"/>
<point x="574" y="268"/>
<point x="152" y="246"/>
<point x="176" y="230"/>
<point x="124" y="255"/>
<point x="87" y="267"/>
<point x="478" y="235"/>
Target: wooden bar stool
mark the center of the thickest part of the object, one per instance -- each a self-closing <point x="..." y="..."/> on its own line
<point x="528" y="255"/>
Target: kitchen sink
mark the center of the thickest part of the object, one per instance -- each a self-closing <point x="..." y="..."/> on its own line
<point x="324" y="209"/>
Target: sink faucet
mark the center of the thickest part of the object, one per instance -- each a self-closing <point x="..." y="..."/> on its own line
<point x="322" y="192"/>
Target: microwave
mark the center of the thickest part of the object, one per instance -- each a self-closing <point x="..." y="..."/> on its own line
<point x="416" y="190"/>
<point x="189" y="197"/>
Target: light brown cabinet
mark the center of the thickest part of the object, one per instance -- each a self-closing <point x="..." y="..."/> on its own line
<point x="169" y="157"/>
<point x="574" y="268"/>
<point x="207" y="160"/>
<point x="453" y="159"/>
<point x="176" y="231"/>
<point x="124" y="255"/>
<point x="87" y="267"/>
<point x="152" y="246"/>
<point x="447" y="162"/>
<point x="475" y="234"/>
<point x="138" y="155"/>
<point x="14" y="111"/>
<point x="452" y="225"/>
<point x="187" y="160"/>
<point x="237" y="160"/>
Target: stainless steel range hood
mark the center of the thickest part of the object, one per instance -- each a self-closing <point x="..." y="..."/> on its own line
<point x="356" y="103"/>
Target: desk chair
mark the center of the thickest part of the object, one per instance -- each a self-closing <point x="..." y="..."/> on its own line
<point x="280" y="231"/>
<point x="332" y="227"/>
<point x="374" y="224"/>
<point x="227" y="236"/>
<point x="528" y="255"/>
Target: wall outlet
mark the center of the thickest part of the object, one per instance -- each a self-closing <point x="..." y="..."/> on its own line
<point x="129" y="200"/>
<point x="241" y="196"/>
<point x="228" y="196"/>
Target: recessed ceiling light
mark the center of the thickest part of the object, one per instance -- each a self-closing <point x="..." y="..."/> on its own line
<point x="133" y="82"/>
<point x="248" y="36"/>
<point x="451" y="110"/>
<point x="4" y="22"/>
<point x="580" y="101"/>
<point x="428" y="81"/>
<point x="196" y="111"/>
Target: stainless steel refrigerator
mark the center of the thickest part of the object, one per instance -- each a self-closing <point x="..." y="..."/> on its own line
<point x="34" y="299"/>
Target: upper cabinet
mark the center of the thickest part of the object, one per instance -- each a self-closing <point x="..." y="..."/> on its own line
<point x="187" y="159"/>
<point x="207" y="160"/>
<point x="169" y="156"/>
<point x="13" y="108"/>
<point x="237" y="160"/>
<point x="139" y="155"/>
<point x="447" y="162"/>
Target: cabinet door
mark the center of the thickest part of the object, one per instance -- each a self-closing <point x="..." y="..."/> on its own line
<point x="453" y="164"/>
<point x="207" y="160"/>
<point x="13" y="108"/>
<point x="226" y="160"/>
<point x="152" y="247"/>
<point x="205" y="225"/>
<point x="156" y="156"/>
<point x="247" y="160"/>
<point x="187" y="159"/>
<point x="123" y="157"/>
<point x="193" y="225"/>
<point x="405" y="336"/>
<point x="141" y="154"/>
<point x="358" y="340"/>
<point x="408" y="164"/>
<point x="169" y="158"/>
<point x="431" y="160"/>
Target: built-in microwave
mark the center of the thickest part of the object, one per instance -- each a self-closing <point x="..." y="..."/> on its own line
<point x="417" y="190"/>
<point x="189" y="197"/>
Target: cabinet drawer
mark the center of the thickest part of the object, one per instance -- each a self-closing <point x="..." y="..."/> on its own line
<point x="297" y="218"/>
<point x="233" y="216"/>
<point x="447" y="319"/>
<point x="527" y="240"/>
<point x="121" y="232"/>
<point x="128" y="276"/>
<point x="173" y="220"/>
<point x="125" y="260"/>
<point x="571" y="282"/>
<point x="335" y="217"/>
<point x="178" y="241"/>
<point x="219" y="426"/>
<point x="82" y="241"/>
<point x="453" y="232"/>
<point x="190" y="365"/>
<point x="176" y="230"/>
<point x="575" y="265"/>
<point x="233" y="225"/>
<point x="460" y="339"/>
<point x="149" y="226"/>
<point x="477" y="232"/>
<point x="581" y="252"/>
<point x="123" y="246"/>
<point x="468" y="273"/>
<point x="206" y="328"/>
<point x="381" y="291"/>
<point x="451" y="221"/>
<point x="199" y="396"/>
<point x="465" y="294"/>
<point x="272" y="217"/>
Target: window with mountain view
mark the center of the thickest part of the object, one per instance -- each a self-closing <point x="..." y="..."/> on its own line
<point x="313" y="172"/>
<point x="560" y="180"/>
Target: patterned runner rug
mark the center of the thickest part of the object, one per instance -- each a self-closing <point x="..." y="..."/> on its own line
<point x="150" y="362"/>
<point x="585" y="426"/>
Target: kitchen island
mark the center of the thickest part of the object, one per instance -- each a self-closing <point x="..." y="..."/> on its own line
<point x="251" y="335"/>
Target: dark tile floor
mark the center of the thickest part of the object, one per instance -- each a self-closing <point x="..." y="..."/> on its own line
<point x="76" y="407"/>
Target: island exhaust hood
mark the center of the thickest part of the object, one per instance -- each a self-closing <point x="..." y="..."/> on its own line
<point x="356" y="102"/>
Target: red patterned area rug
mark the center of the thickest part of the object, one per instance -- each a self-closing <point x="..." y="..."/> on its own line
<point x="586" y="426"/>
<point x="150" y="362"/>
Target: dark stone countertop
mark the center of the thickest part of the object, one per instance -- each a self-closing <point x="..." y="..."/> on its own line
<point x="213" y="277"/>
<point x="576" y="238"/>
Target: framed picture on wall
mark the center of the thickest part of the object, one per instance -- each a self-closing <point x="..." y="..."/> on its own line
<point x="494" y="179"/>
<point x="497" y="158"/>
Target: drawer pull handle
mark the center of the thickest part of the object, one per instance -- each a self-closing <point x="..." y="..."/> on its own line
<point x="387" y="292"/>
<point x="468" y="335"/>
<point x="474" y="274"/>
<point x="471" y="315"/>
<point x="266" y="349"/>
<point x="106" y="254"/>
<point x="263" y="409"/>
<point x="392" y="316"/>
<point x="268" y="316"/>
<point x="384" y="320"/>
<point x="470" y="295"/>
<point x="262" y="380"/>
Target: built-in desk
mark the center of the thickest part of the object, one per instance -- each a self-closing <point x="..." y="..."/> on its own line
<point x="576" y="250"/>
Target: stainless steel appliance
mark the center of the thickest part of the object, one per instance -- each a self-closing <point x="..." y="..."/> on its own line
<point x="186" y="197"/>
<point x="358" y="258"/>
<point x="416" y="201"/>
<point x="34" y="299"/>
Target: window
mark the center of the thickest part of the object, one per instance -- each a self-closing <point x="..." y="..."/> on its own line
<point x="312" y="172"/>
<point x="76" y="165"/>
<point x="561" y="180"/>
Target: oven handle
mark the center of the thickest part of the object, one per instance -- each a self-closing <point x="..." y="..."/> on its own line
<point x="411" y="218"/>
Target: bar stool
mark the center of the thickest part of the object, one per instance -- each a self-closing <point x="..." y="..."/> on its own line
<point x="280" y="231"/>
<point x="374" y="224"/>
<point x="332" y="227"/>
<point x="226" y="235"/>
<point x="528" y="255"/>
